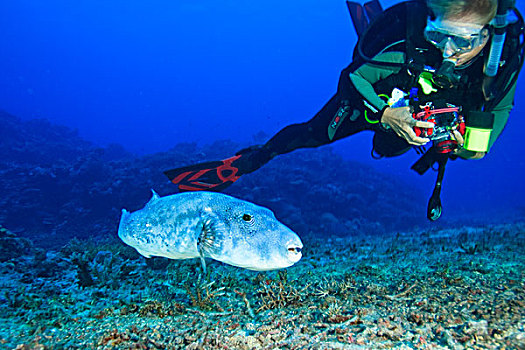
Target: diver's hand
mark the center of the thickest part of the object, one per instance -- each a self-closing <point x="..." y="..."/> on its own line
<point x="463" y="153"/>
<point x="456" y="136"/>
<point x="401" y="121"/>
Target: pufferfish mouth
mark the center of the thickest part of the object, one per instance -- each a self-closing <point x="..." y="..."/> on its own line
<point x="295" y="249"/>
<point x="294" y="252"/>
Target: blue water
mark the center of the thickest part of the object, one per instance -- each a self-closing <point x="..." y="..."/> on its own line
<point x="151" y="74"/>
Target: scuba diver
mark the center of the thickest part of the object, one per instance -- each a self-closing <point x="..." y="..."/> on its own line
<point x="436" y="72"/>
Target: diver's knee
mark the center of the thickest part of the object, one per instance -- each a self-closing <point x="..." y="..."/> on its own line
<point x="388" y="145"/>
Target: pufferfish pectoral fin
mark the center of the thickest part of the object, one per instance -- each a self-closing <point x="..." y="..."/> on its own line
<point x="207" y="243"/>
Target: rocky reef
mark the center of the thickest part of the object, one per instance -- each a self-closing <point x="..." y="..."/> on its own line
<point x="56" y="185"/>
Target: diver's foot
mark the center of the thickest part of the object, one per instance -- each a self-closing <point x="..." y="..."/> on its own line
<point x="208" y="176"/>
<point x="251" y="159"/>
<point x="218" y="175"/>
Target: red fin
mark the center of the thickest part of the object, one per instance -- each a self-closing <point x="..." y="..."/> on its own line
<point x="209" y="176"/>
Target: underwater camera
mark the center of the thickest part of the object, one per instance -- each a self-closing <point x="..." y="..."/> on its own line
<point x="445" y="121"/>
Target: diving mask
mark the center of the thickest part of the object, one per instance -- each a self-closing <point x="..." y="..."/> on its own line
<point x="455" y="39"/>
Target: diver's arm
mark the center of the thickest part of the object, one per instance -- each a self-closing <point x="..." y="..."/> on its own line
<point x="400" y="118"/>
<point x="368" y="74"/>
<point x="501" y="116"/>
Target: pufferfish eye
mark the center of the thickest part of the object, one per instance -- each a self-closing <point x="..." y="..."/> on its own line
<point x="247" y="217"/>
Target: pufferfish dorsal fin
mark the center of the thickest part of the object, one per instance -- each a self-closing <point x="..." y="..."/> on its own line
<point x="154" y="197"/>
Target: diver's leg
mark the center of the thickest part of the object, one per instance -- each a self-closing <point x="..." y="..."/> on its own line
<point x="388" y="144"/>
<point x="313" y="133"/>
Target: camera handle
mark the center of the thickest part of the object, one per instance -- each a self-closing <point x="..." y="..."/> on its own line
<point x="434" y="207"/>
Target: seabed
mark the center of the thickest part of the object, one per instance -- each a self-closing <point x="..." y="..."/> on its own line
<point x="434" y="289"/>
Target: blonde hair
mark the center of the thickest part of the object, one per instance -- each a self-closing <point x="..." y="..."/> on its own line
<point x="485" y="10"/>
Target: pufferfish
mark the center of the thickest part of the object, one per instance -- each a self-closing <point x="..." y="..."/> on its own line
<point x="211" y="225"/>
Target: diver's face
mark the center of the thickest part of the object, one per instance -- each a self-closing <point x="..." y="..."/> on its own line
<point x="465" y="57"/>
<point x="462" y="58"/>
<point x="460" y="39"/>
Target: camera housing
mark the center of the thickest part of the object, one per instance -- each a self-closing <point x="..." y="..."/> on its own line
<point x="445" y="121"/>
